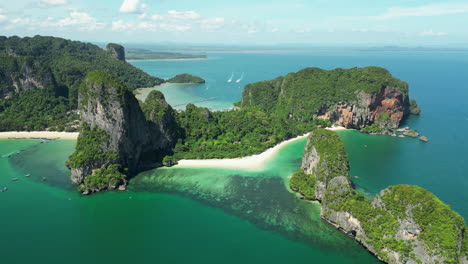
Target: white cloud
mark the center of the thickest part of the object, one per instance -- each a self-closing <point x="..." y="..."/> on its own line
<point x="82" y="20"/>
<point x="431" y="33"/>
<point x="426" y="10"/>
<point x="120" y="25"/>
<point x="212" y="24"/>
<point x="133" y="6"/>
<point x="177" y="15"/>
<point x="54" y="2"/>
<point x="3" y="16"/>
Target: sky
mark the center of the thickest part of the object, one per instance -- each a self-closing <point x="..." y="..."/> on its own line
<point x="253" y="22"/>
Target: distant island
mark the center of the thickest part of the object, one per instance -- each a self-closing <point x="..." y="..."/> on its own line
<point x="185" y="78"/>
<point x="146" y="54"/>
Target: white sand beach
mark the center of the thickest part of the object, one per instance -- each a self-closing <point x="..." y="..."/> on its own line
<point x="40" y="134"/>
<point x="252" y="163"/>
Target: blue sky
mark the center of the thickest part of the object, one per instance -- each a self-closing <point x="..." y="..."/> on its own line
<point x="319" y="22"/>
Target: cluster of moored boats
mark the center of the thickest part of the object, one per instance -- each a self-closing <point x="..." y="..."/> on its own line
<point x="4" y="189"/>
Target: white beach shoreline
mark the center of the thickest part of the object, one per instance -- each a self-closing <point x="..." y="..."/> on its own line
<point x="39" y="134"/>
<point x="252" y="163"/>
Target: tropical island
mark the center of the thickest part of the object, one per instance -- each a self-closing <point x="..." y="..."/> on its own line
<point x="76" y="86"/>
<point x="185" y="78"/>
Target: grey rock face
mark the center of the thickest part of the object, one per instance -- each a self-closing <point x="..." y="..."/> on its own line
<point x="117" y="51"/>
<point x="139" y="143"/>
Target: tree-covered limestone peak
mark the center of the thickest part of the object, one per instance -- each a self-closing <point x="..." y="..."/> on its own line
<point x="155" y="107"/>
<point x="186" y="78"/>
<point x="117" y="51"/>
<point x="307" y="91"/>
<point x="394" y="220"/>
<point x="102" y="85"/>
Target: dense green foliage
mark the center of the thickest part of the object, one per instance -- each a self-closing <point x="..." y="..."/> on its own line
<point x="372" y="129"/>
<point x="414" y="108"/>
<point x="155" y="107"/>
<point x="231" y="134"/>
<point x="312" y="90"/>
<point x="90" y="148"/>
<point x="38" y="110"/>
<point x="440" y="224"/>
<point x="303" y="183"/>
<point x="69" y="62"/>
<point x="379" y="217"/>
<point x="104" y="177"/>
<point x="333" y="159"/>
<point x="186" y="78"/>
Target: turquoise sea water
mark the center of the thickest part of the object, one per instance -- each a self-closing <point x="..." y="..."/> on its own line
<point x="175" y="215"/>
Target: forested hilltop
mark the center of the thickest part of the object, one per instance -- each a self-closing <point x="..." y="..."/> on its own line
<point x="56" y="66"/>
<point x="353" y="98"/>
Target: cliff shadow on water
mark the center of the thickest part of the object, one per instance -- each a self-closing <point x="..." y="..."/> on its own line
<point x="262" y="198"/>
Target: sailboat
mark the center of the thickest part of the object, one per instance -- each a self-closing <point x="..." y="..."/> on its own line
<point x="230" y="78"/>
<point x="240" y="79"/>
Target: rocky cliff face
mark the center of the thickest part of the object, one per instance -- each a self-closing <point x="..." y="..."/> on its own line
<point x="23" y="74"/>
<point x="368" y="109"/>
<point x="117" y="51"/>
<point x="402" y="224"/>
<point x="124" y="135"/>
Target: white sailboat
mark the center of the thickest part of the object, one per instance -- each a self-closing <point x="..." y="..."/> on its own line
<point x="240" y="79"/>
<point x="230" y="78"/>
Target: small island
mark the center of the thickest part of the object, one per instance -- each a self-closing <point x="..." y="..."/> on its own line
<point x="185" y="78"/>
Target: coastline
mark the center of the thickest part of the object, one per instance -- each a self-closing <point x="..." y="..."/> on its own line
<point x="38" y="135"/>
<point x="182" y="59"/>
<point x="251" y="163"/>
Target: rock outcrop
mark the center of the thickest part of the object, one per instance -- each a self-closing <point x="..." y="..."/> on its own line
<point x="23" y="74"/>
<point x="369" y="108"/>
<point x="117" y="51"/>
<point x="115" y="128"/>
<point x="402" y="224"/>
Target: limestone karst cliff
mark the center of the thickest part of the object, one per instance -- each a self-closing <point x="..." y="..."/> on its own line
<point x="402" y="224"/>
<point x="117" y="51"/>
<point x="115" y="133"/>
<point x="353" y="98"/>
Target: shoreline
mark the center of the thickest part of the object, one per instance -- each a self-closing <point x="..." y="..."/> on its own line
<point x="250" y="163"/>
<point x="38" y="135"/>
<point x="181" y="59"/>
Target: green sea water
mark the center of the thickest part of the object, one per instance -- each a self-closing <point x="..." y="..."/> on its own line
<point x="169" y="215"/>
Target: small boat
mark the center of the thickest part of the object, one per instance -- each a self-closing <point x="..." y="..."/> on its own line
<point x="5" y="189"/>
<point x="27" y="175"/>
<point x="230" y="78"/>
<point x="15" y="179"/>
<point x="365" y="146"/>
<point x="43" y="178"/>
<point x="240" y="79"/>
<point x="356" y="177"/>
